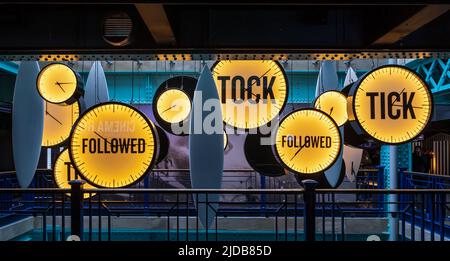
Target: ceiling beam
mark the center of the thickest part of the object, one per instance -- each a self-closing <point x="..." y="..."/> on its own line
<point x="155" y="18"/>
<point x="412" y="24"/>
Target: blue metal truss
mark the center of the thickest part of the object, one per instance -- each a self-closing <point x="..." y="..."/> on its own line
<point x="436" y="72"/>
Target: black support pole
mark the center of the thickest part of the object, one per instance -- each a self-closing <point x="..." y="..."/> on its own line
<point x="76" y="207"/>
<point x="309" y="218"/>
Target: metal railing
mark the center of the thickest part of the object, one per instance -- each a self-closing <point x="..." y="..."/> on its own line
<point x="302" y="214"/>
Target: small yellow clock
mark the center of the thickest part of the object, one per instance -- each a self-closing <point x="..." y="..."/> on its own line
<point x="392" y="104"/>
<point x="252" y="93"/>
<point x="173" y="106"/>
<point x="113" y="145"/>
<point x="63" y="172"/>
<point x="58" y="83"/>
<point x="307" y="141"/>
<point x="334" y="104"/>
<point x="58" y="122"/>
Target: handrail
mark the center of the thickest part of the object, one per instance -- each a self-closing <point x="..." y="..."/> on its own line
<point x="224" y="191"/>
<point x="423" y="174"/>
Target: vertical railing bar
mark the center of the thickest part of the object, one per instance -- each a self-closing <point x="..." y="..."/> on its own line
<point x="443" y="215"/>
<point x="187" y="216"/>
<point x="295" y="217"/>
<point x="432" y="215"/>
<point x="90" y="217"/>
<point x="285" y="217"/>
<point x="207" y="210"/>
<point x="413" y="219"/>
<point x="178" y="217"/>
<point x="109" y="226"/>
<point x="422" y="229"/>
<point x="323" y="218"/>
<point x="63" y="216"/>
<point x="333" y="207"/>
<point x="53" y="217"/>
<point x="44" y="226"/>
<point x="196" y="200"/>
<point x="99" y="218"/>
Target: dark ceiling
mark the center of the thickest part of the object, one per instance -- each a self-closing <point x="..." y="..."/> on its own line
<point x="38" y="28"/>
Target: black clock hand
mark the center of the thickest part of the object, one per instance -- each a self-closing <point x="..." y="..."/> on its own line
<point x="171" y="107"/>
<point x="396" y="98"/>
<point x="59" y="84"/>
<point x="96" y="133"/>
<point x="66" y="83"/>
<point x="299" y="149"/>
<point x="257" y="98"/>
<point x="331" y="110"/>
<point x="53" y="117"/>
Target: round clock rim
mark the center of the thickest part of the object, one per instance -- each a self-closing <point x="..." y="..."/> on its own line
<point x="155" y="109"/>
<point x="161" y="89"/>
<point x="274" y="147"/>
<point x="66" y="141"/>
<point x="69" y="100"/>
<point x="152" y="129"/>
<point x="282" y="106"/>
<point x="336" y="91"/>
<point x="355" y="89"/>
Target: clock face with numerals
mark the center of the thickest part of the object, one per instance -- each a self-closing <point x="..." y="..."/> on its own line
<point x="113" y="145"/>
<point x="252" y="93"/>
<point x="334" y="104"/>
<point x="392" y="104"/>
<point x="63" y="172"/>
<point x="58" y="122"/>
<point x="307" y="141"/>
<point x="58" y="83"/>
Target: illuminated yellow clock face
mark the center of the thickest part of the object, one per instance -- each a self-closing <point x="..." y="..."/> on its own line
<point x="252" y="93"/>
<point x="58" y="122"/>
<point x="334" y="104"/>
<point x="113" y="145"/>
<point x="57" y="83"/>
<point x="392" y="104"/>
<point x="307" y="141"/>
<point x="173" y="106"/>
<point x="63" y="172"/>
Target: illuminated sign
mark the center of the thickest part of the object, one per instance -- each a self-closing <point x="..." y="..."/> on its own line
<point x="58" y="122"/>
<point x="58" y="83"/>
<point x="63" y="172"/>
<point x="392" y="104"/>
<point x="252" y="93"/>
<point x="334" y="104"/>
<point x="307" y="141"/>
<point x="173" y="106"/>
<point x="113" y="145"/>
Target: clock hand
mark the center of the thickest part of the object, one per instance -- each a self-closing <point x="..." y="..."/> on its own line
<point x="396" y="98"/>
<point x="59" y="84"/>
<point x="415" y="107"/>
<point x="246" y="88"/>
<point x="299" y="149"/>
<point x="53" y="117"/>
<point x="96" y="133"/>
<point x="171" y="107"/>
<point x="66" y="83"/>
<point x="331" y="110"/>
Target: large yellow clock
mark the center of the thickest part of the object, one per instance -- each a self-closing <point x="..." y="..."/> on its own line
<point x="252" y="93"/>
<point x="113" y="145"/>
<point x="173" y="106"/>
<point x="58" y="83"/>
<point x="334" y="104"/>
<point x="307" y="141"/>
<point x="63" y="172"/>
<point x="392" y="104"/>
<point x="58" y="122"/>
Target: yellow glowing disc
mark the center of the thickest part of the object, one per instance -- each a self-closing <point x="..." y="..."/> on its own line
<point x="307" y="141"/>
<point x="113" y="145"/>
<point x="58" y="122"/>
<point x="392" y="104"/>
<point x="57" y="83"/>
<point x="173" y="106"/>
<point x="334" y="104"/>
